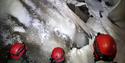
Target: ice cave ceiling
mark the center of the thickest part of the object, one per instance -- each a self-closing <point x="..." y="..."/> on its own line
<point x="70" y="24"/>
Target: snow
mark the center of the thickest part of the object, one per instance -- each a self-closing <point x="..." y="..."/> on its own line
<point x="55" y="25"/>
<point x="75" y="2"/>
<point x="17" y="10"/>
<point x="84" y="54"/>
<point x="19" y="29"/>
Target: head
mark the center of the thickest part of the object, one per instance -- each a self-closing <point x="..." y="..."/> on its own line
<point x="104" y="47"/>
<point x="57" y="55"/>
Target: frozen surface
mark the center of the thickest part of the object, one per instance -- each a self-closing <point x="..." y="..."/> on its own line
<point x="46" y="24"/>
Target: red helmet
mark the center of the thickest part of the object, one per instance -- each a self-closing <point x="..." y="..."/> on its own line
<point x="104" y="47"/>
<point x="58" y="55"/>
<point x="17" y="51"/>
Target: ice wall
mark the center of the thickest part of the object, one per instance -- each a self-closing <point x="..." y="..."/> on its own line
<point x="46" y="24"/>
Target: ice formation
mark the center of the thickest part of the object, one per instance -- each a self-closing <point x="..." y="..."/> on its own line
<point x="51" y="23"/>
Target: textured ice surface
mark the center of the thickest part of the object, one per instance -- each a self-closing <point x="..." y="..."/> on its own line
<point x="50" y="23"/>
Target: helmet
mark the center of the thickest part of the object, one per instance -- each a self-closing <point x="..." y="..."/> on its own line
<point x="58" y="55"/>
<point x="104" y="47"/>
<point x="17" y="50"/>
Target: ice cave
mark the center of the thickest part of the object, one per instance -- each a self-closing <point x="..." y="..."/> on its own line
<point x="62" y="31"/>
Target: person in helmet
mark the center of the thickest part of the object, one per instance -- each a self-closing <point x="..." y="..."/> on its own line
<point x="58" y="55"/>
<point x="104" y="48"/>
<point x="17" y="50"/>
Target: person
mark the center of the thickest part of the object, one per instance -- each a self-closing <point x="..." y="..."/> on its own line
<point x="58" y="55"/>
<point x="105" y="48"/>
<point x="17" y="50"/>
